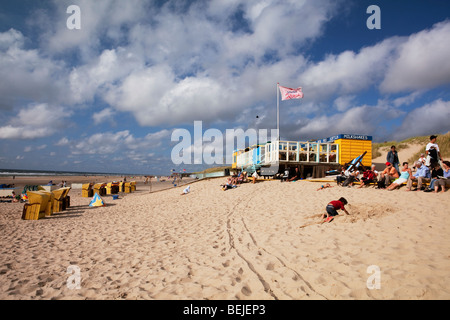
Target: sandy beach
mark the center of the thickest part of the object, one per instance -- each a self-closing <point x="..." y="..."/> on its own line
<point x="245" y="243"/>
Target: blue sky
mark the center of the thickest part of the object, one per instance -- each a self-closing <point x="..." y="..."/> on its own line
<point x="107" y="97"/>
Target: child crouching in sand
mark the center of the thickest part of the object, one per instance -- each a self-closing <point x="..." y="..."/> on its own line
<point x="331" y="209"/>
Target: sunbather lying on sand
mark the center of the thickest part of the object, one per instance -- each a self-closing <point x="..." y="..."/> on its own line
<point x="325" y="186"/>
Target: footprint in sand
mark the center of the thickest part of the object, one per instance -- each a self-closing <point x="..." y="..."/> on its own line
<point x="246" y="291"/>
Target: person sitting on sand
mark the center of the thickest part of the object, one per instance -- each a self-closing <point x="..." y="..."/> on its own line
<point x="422" y="174"/>
<point x="436" y="173"/>
<point x="444" y="181"/>
<point x="242" y="177"/>
<point x="353" y="176"/>
<point x="422" y="158"/>
<point x="15" y="198"/>
<point x="325" y="186"/>
<point x="234" y="178"/>
<point x="331" y="209"/>
<point x="228" y="185"/>
<point x="388" y="175"/>
<point x="286" y="175"/>
<point x="255" y="176"/>
<point x="344" y="175"/>
<point x="368" y="177"/>
<point x="404" y="175"/>
<point x="296" y="176"/>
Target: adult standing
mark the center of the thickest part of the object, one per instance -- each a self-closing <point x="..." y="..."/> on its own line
<point x="433" y="152"/>
<point x="392" y="157"/>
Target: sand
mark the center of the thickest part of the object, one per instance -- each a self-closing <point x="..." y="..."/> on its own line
<point x="247" y="243"/>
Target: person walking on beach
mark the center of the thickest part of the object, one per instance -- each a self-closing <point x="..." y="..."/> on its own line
<point x="331" y="209"/>
<point x="392" y="157"/>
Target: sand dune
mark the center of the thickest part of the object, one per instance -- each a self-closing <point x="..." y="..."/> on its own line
<point x="403" y="155"/>
<point x="245" y="243"/>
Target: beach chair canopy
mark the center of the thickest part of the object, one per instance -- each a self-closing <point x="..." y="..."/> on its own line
<point x="356" y="162"/>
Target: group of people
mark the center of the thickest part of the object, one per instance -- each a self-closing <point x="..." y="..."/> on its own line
<point x="291" y="176"/>
<point x="237" y="179"/>
<point x="429" y="168"/>
<point x="63" y="184"/>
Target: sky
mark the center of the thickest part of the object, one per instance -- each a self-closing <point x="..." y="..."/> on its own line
<point x="107" y="96"/>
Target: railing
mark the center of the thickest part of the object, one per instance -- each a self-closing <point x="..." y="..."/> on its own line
<point x="291" y="151"/>
<point x="303" y="151"/>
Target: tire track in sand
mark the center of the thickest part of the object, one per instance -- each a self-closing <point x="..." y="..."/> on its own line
<point x="284" y="264"/>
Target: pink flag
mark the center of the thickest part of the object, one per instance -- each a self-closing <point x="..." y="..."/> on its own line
<point x="289" y="93"/>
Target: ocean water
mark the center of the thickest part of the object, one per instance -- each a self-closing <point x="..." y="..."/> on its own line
<point x="33" y="173"/>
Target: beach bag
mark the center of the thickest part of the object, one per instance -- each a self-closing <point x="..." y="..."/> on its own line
<point x="381" y="184"/>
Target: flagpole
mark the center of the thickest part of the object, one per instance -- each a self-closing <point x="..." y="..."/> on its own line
<point x="278" y="110"/>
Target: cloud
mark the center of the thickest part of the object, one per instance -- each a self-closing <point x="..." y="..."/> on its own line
<point x="30" y="75"/>
<point x="102" y="143"/>
<point x="94" y="78"/>
<point x="122" y="142"/>
<point x="62" y="142"/>
<point x="421" y="61"/>
<point x="104" y="115"/>
<point x="432" y="118"/>
<point x="101" y="21"/>
<point x="343" y="103"/>
<point x="194" y="67"/>
<point x="349" y="72"/>
<point x="365" y="119"/>
<point x="36" y="121"/>
<point x="409" y="99"/>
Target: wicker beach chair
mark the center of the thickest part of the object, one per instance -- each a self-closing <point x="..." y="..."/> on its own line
<point x="60" y="199"/>
<point x="39" y="205"/>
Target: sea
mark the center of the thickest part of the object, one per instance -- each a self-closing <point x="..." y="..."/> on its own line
<point x="34" y="173"/>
